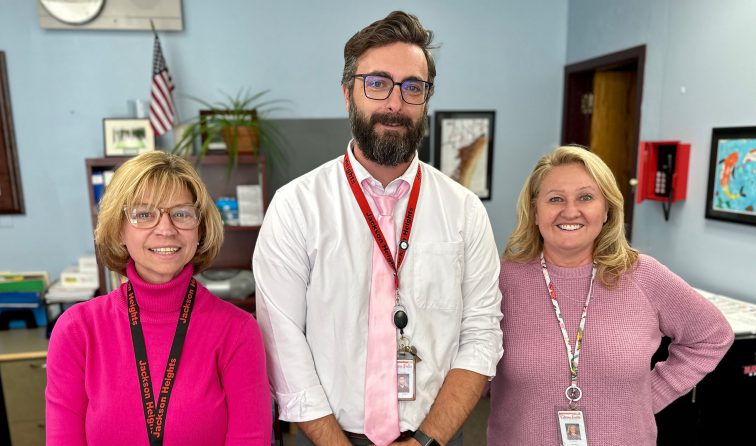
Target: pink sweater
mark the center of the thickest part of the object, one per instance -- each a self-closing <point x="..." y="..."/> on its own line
<point x="220" y="395"/>
<point x="623" y="329"/>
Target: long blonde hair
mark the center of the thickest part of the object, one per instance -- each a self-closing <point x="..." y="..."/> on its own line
<point x="611" y="251"/>
<point x="156" y="175"/>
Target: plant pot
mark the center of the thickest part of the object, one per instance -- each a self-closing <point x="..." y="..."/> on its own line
<point x="247" y="139"/>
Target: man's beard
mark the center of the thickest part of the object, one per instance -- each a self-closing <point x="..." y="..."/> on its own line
<point x="392" y="148"/>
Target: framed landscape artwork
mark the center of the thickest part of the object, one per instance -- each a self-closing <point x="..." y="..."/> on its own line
<point x="124" y="137"/>
<point x="464" y="148"/>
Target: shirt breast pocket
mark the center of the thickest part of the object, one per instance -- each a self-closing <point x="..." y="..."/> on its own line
<point x="437" y="275"/>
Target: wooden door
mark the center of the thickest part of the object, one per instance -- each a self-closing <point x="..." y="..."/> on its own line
<point x="601" y="109"/>
<point x="612" y="126"/>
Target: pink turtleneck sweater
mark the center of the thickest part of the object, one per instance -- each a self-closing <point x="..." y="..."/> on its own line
<point x="220" y="395"/>
<point x="623" y="329"/>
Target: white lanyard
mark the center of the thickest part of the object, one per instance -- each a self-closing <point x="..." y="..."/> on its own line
<point x="573" y="392"/>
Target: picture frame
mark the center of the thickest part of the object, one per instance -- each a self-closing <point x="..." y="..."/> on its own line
<point x="11" y="192"/>
<point x="731" y="189"/>
<point x="464" y="142"/>
<point x="424" y="150"/>
<point x="127" y="136"/>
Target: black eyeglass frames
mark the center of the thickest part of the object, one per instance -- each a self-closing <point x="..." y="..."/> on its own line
<point x="376" y="87"/>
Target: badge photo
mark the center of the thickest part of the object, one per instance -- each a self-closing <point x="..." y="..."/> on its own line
<point x="572" y="428"/>
<point x="405" y="374"/>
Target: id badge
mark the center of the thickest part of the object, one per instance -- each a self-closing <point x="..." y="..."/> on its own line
<point x="405" y="376"/>
<point x="572" y="428"/>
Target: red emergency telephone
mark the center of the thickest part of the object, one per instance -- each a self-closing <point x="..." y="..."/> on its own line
<point x="663" y="172"/>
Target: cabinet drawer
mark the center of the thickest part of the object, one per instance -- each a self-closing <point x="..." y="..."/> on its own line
<point x="24" y="389"/>
<point x="27" y="433"/>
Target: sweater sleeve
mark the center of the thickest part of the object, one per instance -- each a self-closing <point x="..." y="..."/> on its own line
<point x="65" y="396"/>
<point x="245" y="383"/>
<point x="699" y="332"/>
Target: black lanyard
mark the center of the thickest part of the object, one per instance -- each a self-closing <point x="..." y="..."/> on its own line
<point x="375" y="229"/>
<point x="155" y="410"/>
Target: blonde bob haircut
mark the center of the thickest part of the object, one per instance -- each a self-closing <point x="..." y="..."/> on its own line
<point x="154" y="177"/>
<point x="611" y="251"/>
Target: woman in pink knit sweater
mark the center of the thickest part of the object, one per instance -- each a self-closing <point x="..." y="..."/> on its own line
<point x="159" y="360"/>
<point x="584" y="313"/>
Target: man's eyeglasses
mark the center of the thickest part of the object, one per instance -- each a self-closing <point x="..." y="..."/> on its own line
<point x="145" y="216"/>
<point x="413" y="91"/>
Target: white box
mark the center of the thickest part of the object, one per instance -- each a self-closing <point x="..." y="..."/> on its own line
<point x="72" y="277"/>
<point x="88" y="263"/>
<point x="249" y="197"/>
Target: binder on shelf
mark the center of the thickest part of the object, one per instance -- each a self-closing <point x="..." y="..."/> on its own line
<point x="23" y="282"/>
<point x="107" y="175"/>
<point x="113" y="280"/>
<point x="98" y="186"/>
<point x="21" y="299"/>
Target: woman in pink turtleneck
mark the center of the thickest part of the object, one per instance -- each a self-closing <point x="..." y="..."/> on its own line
<point x="569" y="273"/>
<point x="160" y="357"/>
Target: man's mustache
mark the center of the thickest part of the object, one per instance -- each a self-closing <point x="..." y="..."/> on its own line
<point x="390" y="119"/>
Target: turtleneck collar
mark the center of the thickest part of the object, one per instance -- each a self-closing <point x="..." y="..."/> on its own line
<point x="163" y="297"/>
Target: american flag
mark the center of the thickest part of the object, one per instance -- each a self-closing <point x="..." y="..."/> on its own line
<point x="162" y="108"/>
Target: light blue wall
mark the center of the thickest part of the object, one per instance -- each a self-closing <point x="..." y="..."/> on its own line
<point x="504" y="55"/>
<point x="700" y="65"/>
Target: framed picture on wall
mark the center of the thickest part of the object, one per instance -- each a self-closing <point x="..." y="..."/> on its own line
<point x="731" y="191"/>
<point x="124" y="136"/>
<point x="424" y="151"/>
<point x="464" y="148"/>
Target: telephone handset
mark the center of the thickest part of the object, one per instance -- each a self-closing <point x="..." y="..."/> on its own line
<point x="665" y="167"/>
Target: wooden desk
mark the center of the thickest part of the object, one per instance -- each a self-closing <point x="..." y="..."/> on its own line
<point x="23" y="355"/>
<point x="23" y="344"/>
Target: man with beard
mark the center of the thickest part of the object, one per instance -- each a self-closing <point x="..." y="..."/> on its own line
<point x="376" y="261"/>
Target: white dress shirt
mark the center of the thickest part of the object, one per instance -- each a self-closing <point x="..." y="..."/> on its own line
<point x="312" y="267"/>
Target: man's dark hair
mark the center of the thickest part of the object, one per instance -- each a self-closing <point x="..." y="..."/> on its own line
<point x="396" y="27"/>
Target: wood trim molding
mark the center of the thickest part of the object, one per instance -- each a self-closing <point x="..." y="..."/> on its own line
<point x="11" y="194"/>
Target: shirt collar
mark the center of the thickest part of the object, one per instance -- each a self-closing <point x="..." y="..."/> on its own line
<point x="361" y="173"/>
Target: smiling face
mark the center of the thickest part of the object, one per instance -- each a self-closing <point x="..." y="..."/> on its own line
<point x="160" y="253"/>
<point x="570" y="213"/>
<point x="388" y="131"/>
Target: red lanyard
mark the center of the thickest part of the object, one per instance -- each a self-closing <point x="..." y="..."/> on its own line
<point x="155" y="409"/>
<point x="372" y="222"/>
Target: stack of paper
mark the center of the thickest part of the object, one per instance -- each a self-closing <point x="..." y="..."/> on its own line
<point x="741" y="315"/>
<point x="58" y="293"/>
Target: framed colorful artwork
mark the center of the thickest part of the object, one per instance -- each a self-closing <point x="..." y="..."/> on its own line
<point x="731" y="191"/>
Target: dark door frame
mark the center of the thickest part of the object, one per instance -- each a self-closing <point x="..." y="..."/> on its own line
<point x="13" y="198"/>
<point x="573" y="74"/>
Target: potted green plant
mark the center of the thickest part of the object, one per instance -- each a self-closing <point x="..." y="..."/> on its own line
<point x="240" y="121"/>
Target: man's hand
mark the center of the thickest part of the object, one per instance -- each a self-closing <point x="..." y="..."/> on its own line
<point x="458" y="396"/>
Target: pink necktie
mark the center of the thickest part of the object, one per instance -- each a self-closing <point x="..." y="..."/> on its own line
<point x="381" y="400"/>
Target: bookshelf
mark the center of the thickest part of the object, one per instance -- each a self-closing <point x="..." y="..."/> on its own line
<point x="239" y="241"/>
